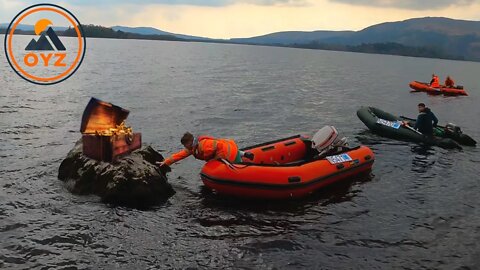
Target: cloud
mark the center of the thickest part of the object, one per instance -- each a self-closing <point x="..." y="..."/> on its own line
<point x="408" y="4"/>
<point x="207" y="3"/>
<point x="276" y="2"/>
<point x="245" y="18"/>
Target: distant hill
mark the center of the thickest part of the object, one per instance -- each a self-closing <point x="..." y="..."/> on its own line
<point x="153" y="31"/>
<point x="448" y="36"/>
<point x="98" y="31"/>
<point x="451" y="36"/>
<point x="291" y="37"/>
<point x="140" y="30"/>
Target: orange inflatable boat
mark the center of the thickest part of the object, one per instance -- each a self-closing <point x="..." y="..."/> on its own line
<point x="442" y="90"/>
<point x="285" y="168"/>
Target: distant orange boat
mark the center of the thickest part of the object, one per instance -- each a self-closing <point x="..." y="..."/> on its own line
<point x="442" y="90"/>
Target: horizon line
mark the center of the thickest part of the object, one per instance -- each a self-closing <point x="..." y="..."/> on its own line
<point x="173" y="34"/>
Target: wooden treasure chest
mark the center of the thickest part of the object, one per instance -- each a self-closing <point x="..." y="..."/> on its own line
<point x="104" y="133"/>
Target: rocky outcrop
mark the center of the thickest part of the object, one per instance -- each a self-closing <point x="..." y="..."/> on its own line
<point x="133" y="180"/>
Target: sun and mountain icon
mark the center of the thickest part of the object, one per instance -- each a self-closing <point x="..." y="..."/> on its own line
<point x="43" y="43"/>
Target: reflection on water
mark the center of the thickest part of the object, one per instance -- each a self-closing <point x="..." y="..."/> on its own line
<point x="423" y="159"/>
<point x="337" y="193"/>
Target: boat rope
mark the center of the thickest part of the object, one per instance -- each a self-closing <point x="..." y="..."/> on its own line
<point x="233" y="166"/>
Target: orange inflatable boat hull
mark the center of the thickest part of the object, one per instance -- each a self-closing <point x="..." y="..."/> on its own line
<point x="442" y="90"/>
<point x="279" y="170"/>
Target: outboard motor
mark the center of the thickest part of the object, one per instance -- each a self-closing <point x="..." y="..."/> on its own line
<point x="327" y="141"/>
<point x="453" y="129"/>
<point x="455" y="132"/>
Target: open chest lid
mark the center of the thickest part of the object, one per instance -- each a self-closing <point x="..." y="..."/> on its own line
<point x="100" y="115"/>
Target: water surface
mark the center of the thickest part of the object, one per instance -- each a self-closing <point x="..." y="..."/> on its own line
<point x="418" y="209"/>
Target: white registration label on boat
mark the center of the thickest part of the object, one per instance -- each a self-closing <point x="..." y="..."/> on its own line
<point x="339" y="158"/>
<point x="392" y="124"/>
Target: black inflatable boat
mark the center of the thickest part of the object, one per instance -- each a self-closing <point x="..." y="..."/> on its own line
<point x="389" y="125"/>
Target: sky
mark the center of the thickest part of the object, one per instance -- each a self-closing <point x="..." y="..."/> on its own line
<point x="247" y="18"/>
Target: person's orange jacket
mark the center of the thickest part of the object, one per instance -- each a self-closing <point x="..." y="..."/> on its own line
<point x="449" y="82"/>
<point x="435" y="82"/>
<point x="208" y="148"/>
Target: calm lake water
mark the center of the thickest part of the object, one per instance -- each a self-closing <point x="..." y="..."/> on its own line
<point x="420" y="208"/>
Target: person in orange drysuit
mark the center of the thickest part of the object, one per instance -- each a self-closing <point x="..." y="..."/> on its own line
<point x="207" y="148"/>
<point x="449" y="82"/>
<point x="435" y="82"/>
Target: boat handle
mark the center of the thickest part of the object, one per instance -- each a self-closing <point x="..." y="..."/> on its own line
<point x="226" y="162"/>
<point x="233" y="166"/>
<point x="294" y="179"/>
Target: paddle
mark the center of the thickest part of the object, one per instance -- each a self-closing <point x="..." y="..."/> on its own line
<point x="438" y="128"/>
<point x="412" y="129"/>
<point x="411" y="119"/>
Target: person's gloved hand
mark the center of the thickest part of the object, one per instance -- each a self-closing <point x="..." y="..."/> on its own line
<point x="163" y="167"/>
<point x="161" y="163"/>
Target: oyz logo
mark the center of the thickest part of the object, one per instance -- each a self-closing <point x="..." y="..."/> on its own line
<point x="46" y="59"/>
<point x="45" y="44"/>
